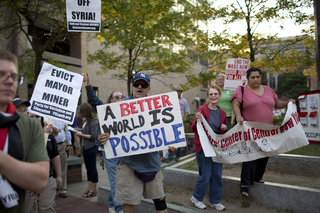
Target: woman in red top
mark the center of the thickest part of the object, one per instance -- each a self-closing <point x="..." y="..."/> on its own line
<point x="209" y="172"/>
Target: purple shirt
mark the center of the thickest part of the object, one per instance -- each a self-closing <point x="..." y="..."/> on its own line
<point x="255" y="107"/>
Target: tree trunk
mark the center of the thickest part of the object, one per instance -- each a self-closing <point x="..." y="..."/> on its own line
<point x="129" y="75"/>
<point x="250" y="39"/>
<point x="316" y="4"/>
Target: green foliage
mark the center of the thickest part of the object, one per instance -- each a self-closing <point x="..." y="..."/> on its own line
<point x="27" y="62"/>
<point x="41" y="22"/>
<point x="277" y="120"/>
<point x="292" y="84"/>
<point x="245" y="204"/>
<point x="277" y="56"/>
<point x="151" y="35"/>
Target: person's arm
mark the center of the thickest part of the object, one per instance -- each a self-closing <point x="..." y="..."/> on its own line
<point x="28" y="176"/>
<point x="282" y="104"/>
<point x="236" y="110"/>
<point x="93" y="126"/>
<point x="57" y="168"/>
<point x="86" y="136"/>
<point x="184" y="116"/>
<point x="93" y="99"/>
<point x="55" y="131"/>
<point x="68" y="137"/>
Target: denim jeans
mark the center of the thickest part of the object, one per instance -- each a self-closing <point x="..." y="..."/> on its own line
<point x="209" y="173"/>
<point x="111" y="168"/>
<point x="176" y="155"/>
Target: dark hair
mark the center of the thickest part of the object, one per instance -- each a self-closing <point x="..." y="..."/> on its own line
<point x="253" y="69"/>
<point x="6" y="55"/>
<point x="86" y="111"/>
<point x="214" y="87"/>
<point x="111" y="95"/>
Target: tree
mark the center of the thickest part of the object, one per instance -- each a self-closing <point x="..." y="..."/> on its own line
<point x="317" y="34"/>
<point x="42" y="22"/>
<point x="292" y="84"/>
<point x="276" y="55"/>
<point x="154" y="36"/>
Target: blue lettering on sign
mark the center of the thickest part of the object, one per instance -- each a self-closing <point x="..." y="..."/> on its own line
<point x="159" y="136"/>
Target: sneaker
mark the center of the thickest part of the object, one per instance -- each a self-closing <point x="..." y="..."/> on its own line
<point x="218" y="206"/>
<point x="177" y="159"/>
<point x="163" y="159"/>
<point x="168" y="161"/>
<point x="197" y="203"/>
<point x="111" y="210"/>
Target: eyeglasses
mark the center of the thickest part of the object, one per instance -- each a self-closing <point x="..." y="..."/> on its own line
<point x="117" y="97"/>
<point x="214" y="94"/>
<point x="4" y="76"/>
<point x="144" y="86"/>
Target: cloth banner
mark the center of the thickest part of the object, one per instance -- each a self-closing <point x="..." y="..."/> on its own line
<point x="56" y="93"/>
<point x="253" y="140"/>
<point x="142" y="125"/>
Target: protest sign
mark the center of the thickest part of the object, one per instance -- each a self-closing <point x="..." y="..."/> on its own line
<point x="254" y="140"/>
<point x="142" y="125"/>
<point x="235" y="75"/>
<point x="56" y="93"/>
<point x="84" y="15"/>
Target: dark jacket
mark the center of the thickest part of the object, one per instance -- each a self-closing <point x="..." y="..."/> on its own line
<point x="91" y="129"/>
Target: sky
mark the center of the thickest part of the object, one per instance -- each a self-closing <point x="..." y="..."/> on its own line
<point x="264" y="28"/>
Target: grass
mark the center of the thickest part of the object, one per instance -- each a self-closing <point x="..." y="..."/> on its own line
<point x="313" y="149"/>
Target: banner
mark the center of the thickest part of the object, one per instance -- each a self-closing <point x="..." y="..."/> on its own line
<point x="253" y="140"/>
<point x="56" y="93"/>
<point x="83" y="15"/>
<point x="235" y="75"/>
<point x="142" y="125"/>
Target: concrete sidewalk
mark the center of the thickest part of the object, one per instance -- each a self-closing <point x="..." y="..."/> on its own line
<point x="76" y="203"/>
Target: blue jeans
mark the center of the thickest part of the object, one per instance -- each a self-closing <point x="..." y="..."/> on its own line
<point x="176" y="155"/>
<point x="111" y="168"/>
<point x="209" y="173"/>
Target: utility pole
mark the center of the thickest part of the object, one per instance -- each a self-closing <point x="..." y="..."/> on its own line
<point x="316" y="4"/>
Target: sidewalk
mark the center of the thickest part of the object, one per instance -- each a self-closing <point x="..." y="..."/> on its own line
<point x="75" y="202"/>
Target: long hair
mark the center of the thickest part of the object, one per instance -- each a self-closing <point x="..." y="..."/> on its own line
<point x="86" y="112"/>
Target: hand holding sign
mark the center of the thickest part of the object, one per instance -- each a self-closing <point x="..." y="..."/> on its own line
<point x="103" y="138"/>
<point x="141" y="125"/>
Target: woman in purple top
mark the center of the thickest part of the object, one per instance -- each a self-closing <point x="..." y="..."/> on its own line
<point x="257" y="102"/>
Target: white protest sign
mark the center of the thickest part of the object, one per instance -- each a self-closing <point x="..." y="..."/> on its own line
<point x="56" y="93"/>
<point x="142" y="125"/>
<point x="235" y="75"/>
<point x="83" y="15"/>
<point x="253" y="140"/>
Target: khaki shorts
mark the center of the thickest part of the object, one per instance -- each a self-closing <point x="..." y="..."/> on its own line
<point x="130" y="189"/>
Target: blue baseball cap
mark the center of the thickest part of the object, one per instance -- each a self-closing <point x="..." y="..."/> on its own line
<point x="141" y="76"/>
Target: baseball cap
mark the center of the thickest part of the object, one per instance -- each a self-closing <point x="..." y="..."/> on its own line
<point x="141" y="76"/>
<point x="17" y="102"/>
<point x="178" y="88"/>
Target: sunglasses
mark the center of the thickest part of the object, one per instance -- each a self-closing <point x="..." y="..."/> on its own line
<point x="117" y="97"/>
<point x="144" y="86"/>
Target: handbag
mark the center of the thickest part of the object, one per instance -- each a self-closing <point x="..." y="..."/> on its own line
<point x="145" y="176"/>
